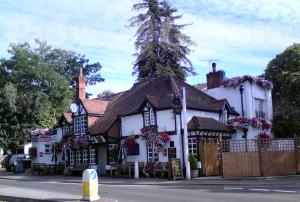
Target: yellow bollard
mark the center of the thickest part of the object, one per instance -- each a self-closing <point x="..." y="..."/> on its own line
<point x="90" y="185"/>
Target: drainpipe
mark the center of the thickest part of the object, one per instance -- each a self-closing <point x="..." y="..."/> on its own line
<point x="243" y="115"/>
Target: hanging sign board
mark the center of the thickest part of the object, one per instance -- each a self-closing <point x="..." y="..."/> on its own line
<point x="176" y="169"/>
<point x="171" y="153"/>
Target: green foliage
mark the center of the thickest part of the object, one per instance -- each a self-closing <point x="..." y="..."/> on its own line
<point x="161" y="47"/>
<point x="193" y="162"/>
<point x="35" y="88"/>
<point x="284" y="72"/>
<point x="105" y="93"/>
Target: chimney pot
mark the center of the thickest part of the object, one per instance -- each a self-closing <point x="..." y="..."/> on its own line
<point x="214" y="65"/>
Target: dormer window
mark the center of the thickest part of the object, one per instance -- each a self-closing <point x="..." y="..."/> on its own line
<point x="80" y="125"/>
<point x="149" y="115"/>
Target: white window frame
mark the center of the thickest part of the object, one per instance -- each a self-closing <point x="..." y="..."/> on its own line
<point x="152" y="153"/>
<point x="149" y="115"/>
<point x="80" y="125"/>
<point x="260" y="108"/>
<point x="192" y="145"/>
<point x="111" y="147"/>
<point x="78" y="156"/>
<point x="72" y="158"/>
<point x="92" y="155"/>
<point x="85" y="156"/>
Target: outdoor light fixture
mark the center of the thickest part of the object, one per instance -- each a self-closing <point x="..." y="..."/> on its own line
<point x="176" y="104"/>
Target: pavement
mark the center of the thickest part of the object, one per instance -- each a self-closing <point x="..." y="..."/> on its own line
<point x="27" y="187"/>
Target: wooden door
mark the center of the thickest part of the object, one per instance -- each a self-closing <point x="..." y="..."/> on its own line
<point x="209" y="152"/>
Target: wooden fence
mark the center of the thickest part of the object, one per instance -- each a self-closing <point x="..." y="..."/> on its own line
<point x="260" y="157"/>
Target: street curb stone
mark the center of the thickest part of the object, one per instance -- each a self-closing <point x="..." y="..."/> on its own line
<point x="21" y="199"/>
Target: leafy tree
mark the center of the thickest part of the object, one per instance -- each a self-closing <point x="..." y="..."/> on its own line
<point x="35" y="89"/>
<point x="105" y="93"/>
<point x="161" y="47"/>
<point x="284" y="72"/>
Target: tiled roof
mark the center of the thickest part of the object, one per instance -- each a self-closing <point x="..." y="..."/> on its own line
<point x="207" y="124"/>
<point x="159" y="92"/>
<point x="95" y="106"/>
<point x="68" y="117"/>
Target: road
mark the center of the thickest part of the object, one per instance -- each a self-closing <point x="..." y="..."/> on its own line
<point x="129" y="190"/>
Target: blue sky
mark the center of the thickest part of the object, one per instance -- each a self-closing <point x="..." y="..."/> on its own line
<point x="244" y="35"/>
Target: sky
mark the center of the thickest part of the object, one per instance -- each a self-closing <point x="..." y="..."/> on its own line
<point x="242" y="35"/>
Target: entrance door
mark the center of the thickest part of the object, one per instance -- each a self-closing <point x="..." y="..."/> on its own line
<point x="209" y="152"/>
<point x="102" y="159"/>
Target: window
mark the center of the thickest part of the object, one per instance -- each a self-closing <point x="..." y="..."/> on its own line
<point x="149" y="115"/>
<point x="223" y="117"/>
<point x="78" y="155"/>
<point x="80" y="125"/>
<point x="152" y="154"/>
<point x="65" y="128"/>
<point x="192" y="142"/>
<point x="113" y="153"/>
<point x="47" y="148"/>
<point x="72" y="158"/>
<point x="92" y="155"/>
<point x="259" y="108"/>
<point x="85" y="156"/>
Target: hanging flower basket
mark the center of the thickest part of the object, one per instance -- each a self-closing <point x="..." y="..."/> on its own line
<point x="241" y="123"/>
<point x="237" y="81"/>
<point x="150" y="135"/>
<point x="130" y="145"/>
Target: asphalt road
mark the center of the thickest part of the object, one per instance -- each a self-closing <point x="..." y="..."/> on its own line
<point x="129" y="190"/>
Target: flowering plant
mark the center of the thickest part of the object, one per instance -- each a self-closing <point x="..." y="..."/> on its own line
<point x="148" y="168"/>
<point x="160" y="140"/>
<point x="76" y="142"/>
<point x="129" y="144"/>
<point x="237" y="81"/>
<point x="150" y="135"/>
<point x="259" y="122"/>
<point x="40" y="131"/>
<point x="242" y="123"/>
<point x="265" y="135"/>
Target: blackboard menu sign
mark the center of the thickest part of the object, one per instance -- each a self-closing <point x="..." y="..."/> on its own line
<point x="176" y="170"/>
<point x="171" y="153"/>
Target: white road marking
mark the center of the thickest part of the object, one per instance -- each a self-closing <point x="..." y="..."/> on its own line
<point x="260" y="189"/>
<point x="234" y="188"/>
<point x="284" y="191"/>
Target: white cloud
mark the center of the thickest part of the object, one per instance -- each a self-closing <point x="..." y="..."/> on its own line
<point x="243" y="35"/>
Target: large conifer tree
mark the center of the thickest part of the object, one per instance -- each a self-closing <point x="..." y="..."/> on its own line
<point x="161" y="47"/>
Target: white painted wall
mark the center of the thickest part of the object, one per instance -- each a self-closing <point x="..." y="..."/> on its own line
<point x="42" y="157"/>
<point x="191" y="113"/>
<point x="131" y="124"/>
<point x="251" y="91"/>
<point x="165" y="120"/>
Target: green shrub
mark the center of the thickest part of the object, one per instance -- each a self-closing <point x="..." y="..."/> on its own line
<point x="193" y="162"/>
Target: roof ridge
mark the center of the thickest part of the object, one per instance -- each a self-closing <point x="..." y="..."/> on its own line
<point x="173" y="85"/>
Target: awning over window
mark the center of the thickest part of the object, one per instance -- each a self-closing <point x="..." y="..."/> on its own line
<point x="208" y="127"/>
<point x="99" y="139"/>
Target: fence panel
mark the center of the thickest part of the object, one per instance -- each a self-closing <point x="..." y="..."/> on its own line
<point x="277" y="157"/>
<point x="240" y="164"/>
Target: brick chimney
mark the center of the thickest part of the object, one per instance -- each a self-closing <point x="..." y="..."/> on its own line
<point x="80" y="85"/>
<point x="215" y="78"/>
